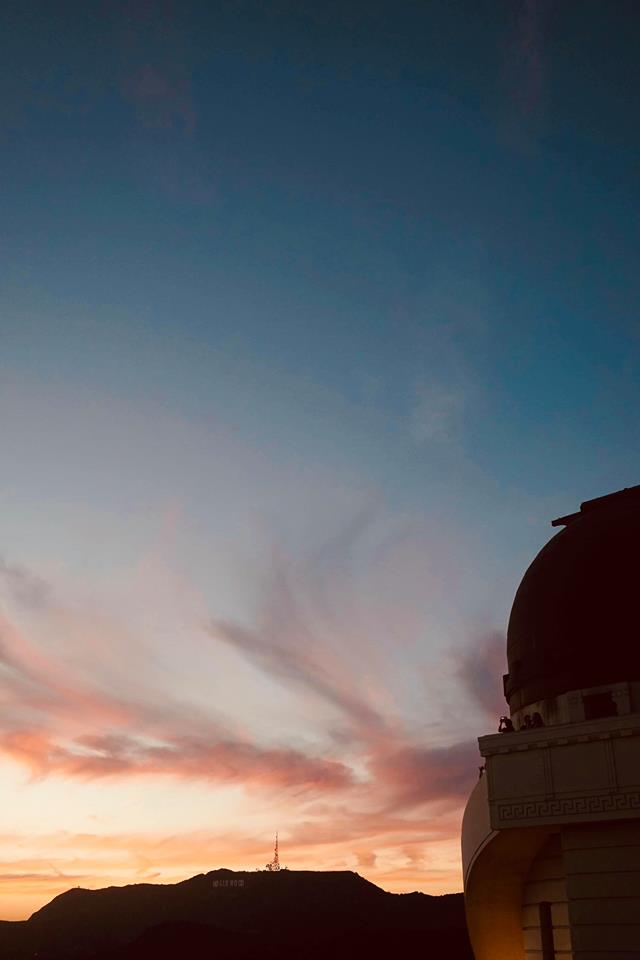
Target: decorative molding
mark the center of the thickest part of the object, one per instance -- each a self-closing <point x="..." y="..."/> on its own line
<point x="561" y="807"/>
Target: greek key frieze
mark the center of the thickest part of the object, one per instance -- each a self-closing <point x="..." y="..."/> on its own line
<point x="568" y="806"/>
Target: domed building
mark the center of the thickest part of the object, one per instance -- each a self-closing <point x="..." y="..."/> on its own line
<point x="551" y="833"/>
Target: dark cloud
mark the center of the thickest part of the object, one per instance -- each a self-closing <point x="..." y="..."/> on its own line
<point x="366" y="858"/>
<point x="526" y="74"/>
<point x="156" y="80"/>
<point x="414" y="775"/>
<point x="481" y="668"/>
<point x="23" y="586"/>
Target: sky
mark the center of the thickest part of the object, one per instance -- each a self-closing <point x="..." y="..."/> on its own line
<point x="312" y="317"/>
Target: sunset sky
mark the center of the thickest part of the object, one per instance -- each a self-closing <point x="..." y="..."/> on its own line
<point x="312" y="316"/>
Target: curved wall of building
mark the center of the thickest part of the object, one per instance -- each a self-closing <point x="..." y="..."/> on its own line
<point x="551" y="834"/>
<point x="545" y="906"/>
<point x="495" y="867"/>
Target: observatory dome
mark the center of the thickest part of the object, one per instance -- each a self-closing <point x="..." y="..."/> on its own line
<point x="575" y="621"/>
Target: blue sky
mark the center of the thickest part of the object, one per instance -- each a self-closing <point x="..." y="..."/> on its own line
<point x="311" y="318"/>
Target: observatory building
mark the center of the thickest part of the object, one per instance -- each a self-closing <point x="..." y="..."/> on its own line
<point x="551" y="833"/>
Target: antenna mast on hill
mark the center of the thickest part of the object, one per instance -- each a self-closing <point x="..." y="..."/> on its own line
<point x="274" y="865"/>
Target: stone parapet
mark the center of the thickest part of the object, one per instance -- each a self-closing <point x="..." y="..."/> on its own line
<point x="571" y="773"/>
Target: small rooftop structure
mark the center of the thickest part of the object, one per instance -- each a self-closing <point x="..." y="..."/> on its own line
<point x="609" y="499"/>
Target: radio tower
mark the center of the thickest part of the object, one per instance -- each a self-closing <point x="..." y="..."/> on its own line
<point x="274" y="865"/>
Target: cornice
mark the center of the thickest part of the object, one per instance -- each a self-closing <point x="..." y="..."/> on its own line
<point x="557" y="736"/>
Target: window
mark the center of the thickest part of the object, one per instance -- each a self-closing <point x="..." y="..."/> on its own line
<point x="598" y="705"/>
<point x="546" y="931"/>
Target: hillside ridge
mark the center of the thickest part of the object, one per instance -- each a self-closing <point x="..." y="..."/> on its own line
<point x="244" y="913"/>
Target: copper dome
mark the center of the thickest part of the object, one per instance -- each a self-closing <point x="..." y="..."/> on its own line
<point x="575" y="619"/>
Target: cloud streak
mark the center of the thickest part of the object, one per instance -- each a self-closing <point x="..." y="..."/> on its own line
<point x="298" y="667"/>
<point x="44" y="716"/>
<point x="437" y="413"/>
<point x="225" y="761"/>
<point x="367" y="790"/>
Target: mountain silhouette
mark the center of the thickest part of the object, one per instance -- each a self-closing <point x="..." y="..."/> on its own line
<point x="241" y="915"/>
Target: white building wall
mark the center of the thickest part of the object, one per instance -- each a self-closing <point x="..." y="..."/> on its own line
<point x="580" y="782"/>
<point x="602" y="864"/>
<point x="546" y="883"/>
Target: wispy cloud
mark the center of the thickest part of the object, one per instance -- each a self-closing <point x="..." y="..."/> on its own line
<point x="58" y="721"/>
<point x="364" y="790"/>
<point x="224" y="761"/>
<point x="294" y="665"/>
<point x="437" y="413"/>
<point x="526" y="73"/>
<point x="156" y="80"/>
<point x="45" y="718"/>
<point x="156" y="73"/>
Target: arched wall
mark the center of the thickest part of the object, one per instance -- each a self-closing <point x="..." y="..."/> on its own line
<point x="495" y="865"/>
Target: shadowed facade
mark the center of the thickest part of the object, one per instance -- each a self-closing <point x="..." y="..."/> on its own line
<point x="551" y="833"/>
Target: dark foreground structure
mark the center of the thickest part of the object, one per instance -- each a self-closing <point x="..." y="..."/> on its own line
<point x="551" y="833"/>
<point x="244" y="916"/>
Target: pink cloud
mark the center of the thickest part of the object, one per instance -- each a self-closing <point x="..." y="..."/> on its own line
<point x="221" y="761"/>
<point x="365" y="797"/>
<point x="56" y="723"/>
<point x="415" y="775"/>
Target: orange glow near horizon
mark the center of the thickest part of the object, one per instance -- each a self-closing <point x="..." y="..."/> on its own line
<point x="157" y="724"/>
<point x="50" y="865"/>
